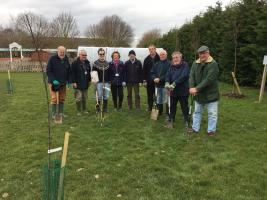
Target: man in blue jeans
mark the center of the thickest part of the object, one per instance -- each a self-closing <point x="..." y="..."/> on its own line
<point x="204" y="87"/>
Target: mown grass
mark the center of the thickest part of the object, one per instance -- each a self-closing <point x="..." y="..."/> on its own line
<point x="132" y="155"/>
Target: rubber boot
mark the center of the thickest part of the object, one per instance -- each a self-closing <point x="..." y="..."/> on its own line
<point x="53" y="110"/>
<point x="61" y="109"/>
<point x="79" y="107"/>
<point x="160" y="108"/>
<point x="105" y="106"/>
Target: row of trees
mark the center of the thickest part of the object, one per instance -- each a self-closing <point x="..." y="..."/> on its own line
<point x="237" y="37"/>
<point x="111" y="30"/>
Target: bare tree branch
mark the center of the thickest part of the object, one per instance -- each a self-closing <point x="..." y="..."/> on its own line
<point x="113" y="30"/>
<point x="64" y="25"/>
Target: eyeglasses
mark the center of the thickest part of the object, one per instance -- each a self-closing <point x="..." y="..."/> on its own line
<point x="83" y="55"/>
<point x="101" y="54"/>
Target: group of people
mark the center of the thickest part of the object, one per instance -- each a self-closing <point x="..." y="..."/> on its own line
<point x="166" y="82"/>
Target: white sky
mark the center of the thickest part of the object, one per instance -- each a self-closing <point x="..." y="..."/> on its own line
<point x="142" y="15"/>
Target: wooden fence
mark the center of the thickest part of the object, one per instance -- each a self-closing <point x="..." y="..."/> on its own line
<point x="21" y="66"/>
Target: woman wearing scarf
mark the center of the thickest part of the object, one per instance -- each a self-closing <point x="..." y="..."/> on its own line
<point x="118" y="79"/>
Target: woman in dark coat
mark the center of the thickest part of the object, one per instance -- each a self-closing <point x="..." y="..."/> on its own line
<point x="118" y="79"/>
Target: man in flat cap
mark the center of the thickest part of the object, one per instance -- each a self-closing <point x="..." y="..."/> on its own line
<point x="204" y="87"/>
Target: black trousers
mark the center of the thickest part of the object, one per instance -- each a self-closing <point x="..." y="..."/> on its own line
<point x="150" y="91"/>
<point x="117" y="93"/>
<point x="184" y="106"/>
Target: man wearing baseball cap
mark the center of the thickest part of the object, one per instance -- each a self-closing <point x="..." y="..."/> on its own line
<point x="204" y="87"/>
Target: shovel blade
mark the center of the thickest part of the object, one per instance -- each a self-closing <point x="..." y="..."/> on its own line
<point x="154" y="114"/>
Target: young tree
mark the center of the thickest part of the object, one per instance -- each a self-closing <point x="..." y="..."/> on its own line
<point x="149" y="37"/>
<point x="25" y="22"/>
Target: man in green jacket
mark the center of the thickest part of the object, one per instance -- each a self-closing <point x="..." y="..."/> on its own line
<point x="204" y="87"/>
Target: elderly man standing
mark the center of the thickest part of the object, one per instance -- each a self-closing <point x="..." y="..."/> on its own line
<point x="149" y="61"/>
<point x="204" y="86"/>
<point x="158" y="75"/>
<point x="133" y="75"/>
<point x="80" y="72"/>
<point x="58" y="72"/>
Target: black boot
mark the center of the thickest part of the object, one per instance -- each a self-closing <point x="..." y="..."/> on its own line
<point x="105" y="106"/>
<point x="160" y="108"/>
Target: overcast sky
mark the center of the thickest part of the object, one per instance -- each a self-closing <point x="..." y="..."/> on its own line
<point x="142" y="15"/>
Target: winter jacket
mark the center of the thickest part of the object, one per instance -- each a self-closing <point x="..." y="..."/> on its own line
<point x="204" y="76"/>
<point x="179" y="75"/>
<point x="133" y="71"/>
<point x="80" y="73"/>
<point x="101" y="66"/>
<point x="147" y="66"/>
<point x="117" y="73"/>
<point x="58" y="69"/>
<point x="159" y="70"/>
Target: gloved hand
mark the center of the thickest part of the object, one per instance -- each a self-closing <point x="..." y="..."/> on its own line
<point x="172" y="86"/>
<point x="123" y="84"/>
<point x="55" y="82"/>
<point x="167" y="85"/>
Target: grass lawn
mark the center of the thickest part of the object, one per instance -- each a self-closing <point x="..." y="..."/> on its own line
<point x="132" y="155"/>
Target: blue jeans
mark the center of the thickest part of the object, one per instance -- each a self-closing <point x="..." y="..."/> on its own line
<point x="212" y="116"/>
<point x="106" y="91"/>
<point x="161" y="95"/>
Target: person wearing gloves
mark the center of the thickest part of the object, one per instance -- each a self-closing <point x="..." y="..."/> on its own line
<point x="158" y="74"/>
<point x="134" y="77"/>
<point x="177" y="85"/>
<point x="58" y="73"/>
<point x="204" y="86"/>
<point x="118" y="79"/>
<point x="80" y="73"/>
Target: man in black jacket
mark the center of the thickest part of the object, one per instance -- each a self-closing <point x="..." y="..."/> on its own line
<point x="80" y="73"/>
<point x="149" y="61"/>
<point x="133" y="76"/>
<point x="58" y="73"/>
<point x="158" y="74"/>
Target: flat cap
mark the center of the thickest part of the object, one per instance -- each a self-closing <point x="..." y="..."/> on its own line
<point x="202" y="49"/>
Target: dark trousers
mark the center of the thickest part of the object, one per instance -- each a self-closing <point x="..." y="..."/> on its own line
<point x="184" y="106"/>
<point x="150" y="91"/>
<point x="130" y="87"/>
<point x="117" y="93"/>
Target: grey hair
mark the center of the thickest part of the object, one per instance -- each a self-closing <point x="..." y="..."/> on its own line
<point x="163" y="51"/>
<point x="177" y="53"/>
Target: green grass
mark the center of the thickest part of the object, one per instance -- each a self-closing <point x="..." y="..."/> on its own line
<point x="133" y="156"/>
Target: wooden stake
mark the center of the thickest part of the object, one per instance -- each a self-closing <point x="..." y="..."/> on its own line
<point x="236" y="84"/>
<point x="263" y="83"/>
<point x="63" y="164"/>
